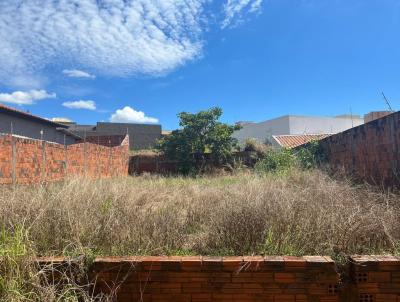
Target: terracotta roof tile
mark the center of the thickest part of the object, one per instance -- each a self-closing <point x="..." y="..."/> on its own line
<point x="295" y="140"/>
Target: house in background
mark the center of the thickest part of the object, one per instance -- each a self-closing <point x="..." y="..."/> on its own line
<point x="17" y="122"/>
<point x="142" y="136"/>
<point x="295" y="125"/>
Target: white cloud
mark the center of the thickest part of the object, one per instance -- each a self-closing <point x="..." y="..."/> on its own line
<point x="107" y="37"/>
<point x="130" y="115"/>
<point x="75" y="73"/>
<point x="236" y="10"/>
<point x="25" y="97"/>
<point x="81" y="104"/>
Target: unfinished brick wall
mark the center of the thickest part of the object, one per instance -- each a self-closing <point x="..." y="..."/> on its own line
<point x="151" y="163"/>
<point x="244" y="279"/>
<point x="28" y="161"/>
<point x="375" y="278"/>
<point x="201" y="279"/>
<point x="370" y="152"/>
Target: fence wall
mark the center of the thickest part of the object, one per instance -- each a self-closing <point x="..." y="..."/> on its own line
<point x="369" y="152"/>
<point x="244" y="279"/>
<point x="28" y="161"/>
<point x="201" y="279"/>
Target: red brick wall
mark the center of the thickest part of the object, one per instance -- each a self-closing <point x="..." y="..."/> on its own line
<point x="26" y="161"/>
<point x="375" y="278"/>
<point x="152" y="163"/>
<point x="201" y="279"/>
<point x="370" y="152"/>
<point x="5" y="160"/>
<point x="244" y="279"/>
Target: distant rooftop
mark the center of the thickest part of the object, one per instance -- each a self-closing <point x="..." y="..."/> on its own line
<point x="27" y="115"/>
<point x="293" y="140"/>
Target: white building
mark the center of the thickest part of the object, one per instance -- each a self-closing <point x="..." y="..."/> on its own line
<point x="296" y="125"/>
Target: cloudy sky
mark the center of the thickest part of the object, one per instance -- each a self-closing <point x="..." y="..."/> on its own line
<point x="145" y="61"/>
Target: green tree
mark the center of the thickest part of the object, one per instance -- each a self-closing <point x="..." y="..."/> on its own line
<point x="200" y="134"/>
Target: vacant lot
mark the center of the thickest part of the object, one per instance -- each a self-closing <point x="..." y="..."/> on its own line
<point x="301" y="212"/>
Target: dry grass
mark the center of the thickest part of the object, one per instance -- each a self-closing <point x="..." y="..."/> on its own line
<point x="295" y="214"/>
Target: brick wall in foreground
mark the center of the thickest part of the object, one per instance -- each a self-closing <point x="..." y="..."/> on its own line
<point x="242" y="279"/>
<point x="200" y="279"/>
<point x="376" y="278"/>
<point x="29" y="161"/>
<point x="370" y="152"/>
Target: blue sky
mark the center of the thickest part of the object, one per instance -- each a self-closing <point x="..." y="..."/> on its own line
<point x="145" y="61"/>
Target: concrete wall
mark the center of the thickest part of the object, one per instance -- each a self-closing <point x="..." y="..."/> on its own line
<point x="29" y="161"/>
<point x="105" y="140"/>
<point x="142" y="136"/>
<point x="292" y="124"/>
<point x="29" y="128"/>
<point x="370" y="152"/>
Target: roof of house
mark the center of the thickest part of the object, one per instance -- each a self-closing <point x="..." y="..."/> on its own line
<point x="295" y="140"/>
<point x="30" y="116"/>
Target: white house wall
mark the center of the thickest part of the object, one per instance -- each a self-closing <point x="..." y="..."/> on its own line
<point x="319" y="125"/>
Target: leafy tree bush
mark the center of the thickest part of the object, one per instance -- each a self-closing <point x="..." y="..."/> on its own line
<point x="277" y="161"/>
<point x="201" y="135"/>
<point x="281" y="160"/>
<point x="311" y="155"/>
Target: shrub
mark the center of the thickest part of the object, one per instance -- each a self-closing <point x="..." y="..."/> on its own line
<point x="277" y="161"/>
<point x="252" y="144"/>
<point x="311" y="155"/>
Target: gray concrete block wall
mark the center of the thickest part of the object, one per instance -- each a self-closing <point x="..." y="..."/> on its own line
<point x="142" y="136"/>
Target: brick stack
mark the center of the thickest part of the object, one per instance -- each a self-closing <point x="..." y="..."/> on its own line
<point x="201" y="279"/>
<point x="376" y="278"/>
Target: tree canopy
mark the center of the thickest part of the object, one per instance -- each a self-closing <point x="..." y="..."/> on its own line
<point x="200" y="134"/>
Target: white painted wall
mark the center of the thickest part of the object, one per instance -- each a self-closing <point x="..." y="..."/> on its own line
<point x="318" y="125"/>
<point x="264" y="130"/>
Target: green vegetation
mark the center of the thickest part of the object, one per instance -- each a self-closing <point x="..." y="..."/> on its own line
<point x="200" y="134"/>
<point x="283" y="160"/>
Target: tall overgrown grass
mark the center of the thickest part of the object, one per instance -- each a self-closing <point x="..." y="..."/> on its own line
<point x="300" y="212"/>
<point x="295" y="213"/>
